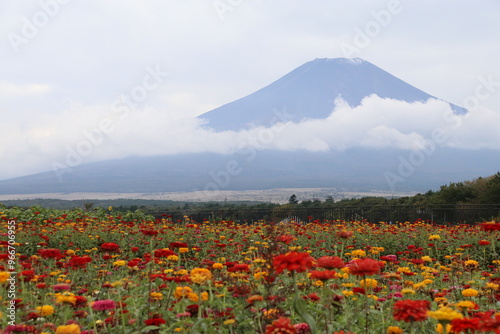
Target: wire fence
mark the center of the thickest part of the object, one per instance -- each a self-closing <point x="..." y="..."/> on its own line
<point x="456" y="214"/>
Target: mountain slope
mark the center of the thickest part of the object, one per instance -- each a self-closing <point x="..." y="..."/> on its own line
<point x="352" y="170"/>
<point x="310" y="90"/>
<point x="307" y="92"/>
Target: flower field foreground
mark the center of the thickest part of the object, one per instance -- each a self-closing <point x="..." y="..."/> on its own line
<point x="79" y="272"/>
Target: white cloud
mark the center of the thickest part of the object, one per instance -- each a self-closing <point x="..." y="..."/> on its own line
<point x="11" y="90"/>
<point x="37" y="144"/>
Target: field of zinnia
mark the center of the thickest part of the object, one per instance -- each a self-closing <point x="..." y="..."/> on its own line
<point x="100" y="272"/>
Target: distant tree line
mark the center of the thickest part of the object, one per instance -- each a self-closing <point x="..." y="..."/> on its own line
<point x="479" y="191"/>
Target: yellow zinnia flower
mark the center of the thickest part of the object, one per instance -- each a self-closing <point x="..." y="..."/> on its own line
<point x="204" y="296"/>
<point x="439" y="329"/>
<point x="368" y="283"/>
<point x="426" y="258"/>
<point x="445" y="314"/>
<point x="470" y="293"/>
<point x="471" y="264"/>
<point x="358" y="253"/>
<point x="65" y="297"/>
<point x="182" y="291"/>
<point x="408" y="291"/>
<point x="173" y="258"/>
<point x="119" y="263"/>
<point x="45" y="310"/>
<point x="4" y="276"/>
<point x="271" y="313"/>
<point x="229" y="322"/>
<point x="394" y="330"/>
<point x="200" y="275"/>
<point x="68" y="329"/>
<point x="492" y="286"/>
<point x="156" y="295"/>
<point x="465" y="305"/>
<point x="217" y="265"/>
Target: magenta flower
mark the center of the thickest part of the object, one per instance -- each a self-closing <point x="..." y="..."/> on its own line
<point x="102" y="305"/>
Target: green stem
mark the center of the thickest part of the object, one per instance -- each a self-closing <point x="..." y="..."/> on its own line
<point x="366" y="308"/>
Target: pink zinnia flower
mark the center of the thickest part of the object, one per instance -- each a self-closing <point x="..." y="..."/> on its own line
<point x="302" y="328"/>
<point x="61" y="287"/>
<point x="183" y="314"/>
<point x="102" y="305"/>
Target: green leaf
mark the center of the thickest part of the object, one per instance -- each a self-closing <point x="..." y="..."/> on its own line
<point x="300" y="306"/>
<point x="149" y="328"/>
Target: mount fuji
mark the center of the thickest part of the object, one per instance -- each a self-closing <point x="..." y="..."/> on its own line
<point x="310" y="92"/>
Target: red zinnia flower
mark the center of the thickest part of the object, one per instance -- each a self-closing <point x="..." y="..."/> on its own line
<point x="364" y="267"/>
<point x="323" y="275"/>
<point x="79" y="261"/>
<point x="80" y="301"/>
<point x="344" y="234"/>
<point x="408" y="310"/>
<point x="281" y="326"/>
<point x="293" y="261"/>
<point x="241" y="267"/>
<point x="155" y="322"/>
<point x="464" y="325"/>
<point x="312" y="297"/>
<point x="27" y="275"/>
<point x="163" y="253"/>
<point x="149" y="232"/>
<point x="286" y="238"/>
<point x="488" y="321"/>
<point x="110" y="247"/>
<point x="177" y="244"/>
<point x="193" y="309"/>
<point x="490" y="226"/>
<point x="50" y="253"/>
<point x="357" y="290"/>
<point x="20" y="328"/>
<point x="330" y="262"/>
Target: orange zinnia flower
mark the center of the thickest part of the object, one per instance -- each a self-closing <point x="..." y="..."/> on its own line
<point x="281" y="326"/>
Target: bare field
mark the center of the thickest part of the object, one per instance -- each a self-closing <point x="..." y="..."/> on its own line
<point x="280" y="195"/>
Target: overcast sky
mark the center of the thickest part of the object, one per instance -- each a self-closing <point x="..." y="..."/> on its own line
<point x="64" y="65"/>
